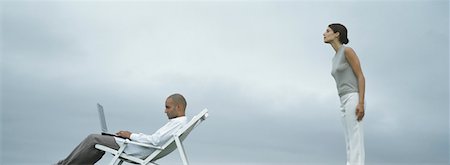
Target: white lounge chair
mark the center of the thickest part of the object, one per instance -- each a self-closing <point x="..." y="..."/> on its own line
<point x="160" y="151"/>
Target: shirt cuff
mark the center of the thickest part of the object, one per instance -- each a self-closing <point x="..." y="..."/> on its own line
<point x="133" y="136"/>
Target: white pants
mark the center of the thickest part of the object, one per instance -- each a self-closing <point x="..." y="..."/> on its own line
<point x="353" y="130"/>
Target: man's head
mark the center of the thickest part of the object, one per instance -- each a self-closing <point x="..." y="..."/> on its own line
<point x="175" y="106"/>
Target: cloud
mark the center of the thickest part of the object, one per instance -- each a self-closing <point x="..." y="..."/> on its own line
<point x="261" y="68"/>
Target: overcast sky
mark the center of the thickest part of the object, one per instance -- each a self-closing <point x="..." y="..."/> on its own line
<point x="260" y="67"/>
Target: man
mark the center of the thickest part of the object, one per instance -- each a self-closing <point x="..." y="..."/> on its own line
<point x="86" y="153"/>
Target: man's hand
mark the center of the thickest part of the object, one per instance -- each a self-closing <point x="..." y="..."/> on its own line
<point x="359" y="112"/>
<point x="124" y="134"/>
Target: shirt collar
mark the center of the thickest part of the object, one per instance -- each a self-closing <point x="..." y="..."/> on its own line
<point x="178" y="118"/>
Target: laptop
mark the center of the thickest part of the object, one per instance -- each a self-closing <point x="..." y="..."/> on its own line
<point x="101" y="115"/>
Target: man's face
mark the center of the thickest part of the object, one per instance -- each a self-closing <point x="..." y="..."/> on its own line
<point x="171" y="109"/>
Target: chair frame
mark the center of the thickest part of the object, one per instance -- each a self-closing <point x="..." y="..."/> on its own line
<point x="165" y="149"/>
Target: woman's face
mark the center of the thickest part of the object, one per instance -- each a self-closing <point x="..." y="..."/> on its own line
<point x="329" y="35"/>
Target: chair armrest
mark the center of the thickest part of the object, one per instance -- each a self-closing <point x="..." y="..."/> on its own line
<point x="104" y="148"/>
<point x="127" y="141"/>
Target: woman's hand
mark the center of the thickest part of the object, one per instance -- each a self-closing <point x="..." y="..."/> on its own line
<point x="359" y="112"/>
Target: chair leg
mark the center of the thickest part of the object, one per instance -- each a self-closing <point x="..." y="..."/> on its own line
<point x="116" y="160"/>
<point x="181" y="150"/>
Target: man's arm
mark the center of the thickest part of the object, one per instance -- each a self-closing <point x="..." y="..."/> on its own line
<point x="162" y="135"/>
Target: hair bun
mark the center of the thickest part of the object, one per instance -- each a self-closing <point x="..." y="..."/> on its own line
<point x="345" y="41"/>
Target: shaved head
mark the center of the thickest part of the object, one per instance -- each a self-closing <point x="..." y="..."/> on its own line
<point x="179" y="100"/>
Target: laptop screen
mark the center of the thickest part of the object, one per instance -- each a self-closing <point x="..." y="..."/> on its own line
<point x="101" y="115"/>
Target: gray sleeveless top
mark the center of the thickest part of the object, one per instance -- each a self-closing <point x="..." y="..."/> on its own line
<point x="343" y="74"/>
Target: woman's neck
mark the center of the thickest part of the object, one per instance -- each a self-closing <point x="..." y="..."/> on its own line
<point x="336" y="45"/>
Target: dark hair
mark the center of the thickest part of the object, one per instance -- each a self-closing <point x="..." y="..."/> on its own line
<point x="336" y="27"/>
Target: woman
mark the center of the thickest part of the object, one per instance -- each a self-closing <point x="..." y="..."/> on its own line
<point x="350" y="82"/>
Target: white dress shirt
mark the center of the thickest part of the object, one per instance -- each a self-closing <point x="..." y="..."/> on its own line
<point x="156" y="139"/>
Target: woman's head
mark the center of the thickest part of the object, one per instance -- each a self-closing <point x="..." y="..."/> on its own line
<point x="338" y="31"/>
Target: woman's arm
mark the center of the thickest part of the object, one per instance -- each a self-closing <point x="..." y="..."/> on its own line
<point x="353" y="60"/>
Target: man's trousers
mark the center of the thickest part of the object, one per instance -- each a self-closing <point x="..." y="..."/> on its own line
<point x="86" y="153"/>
